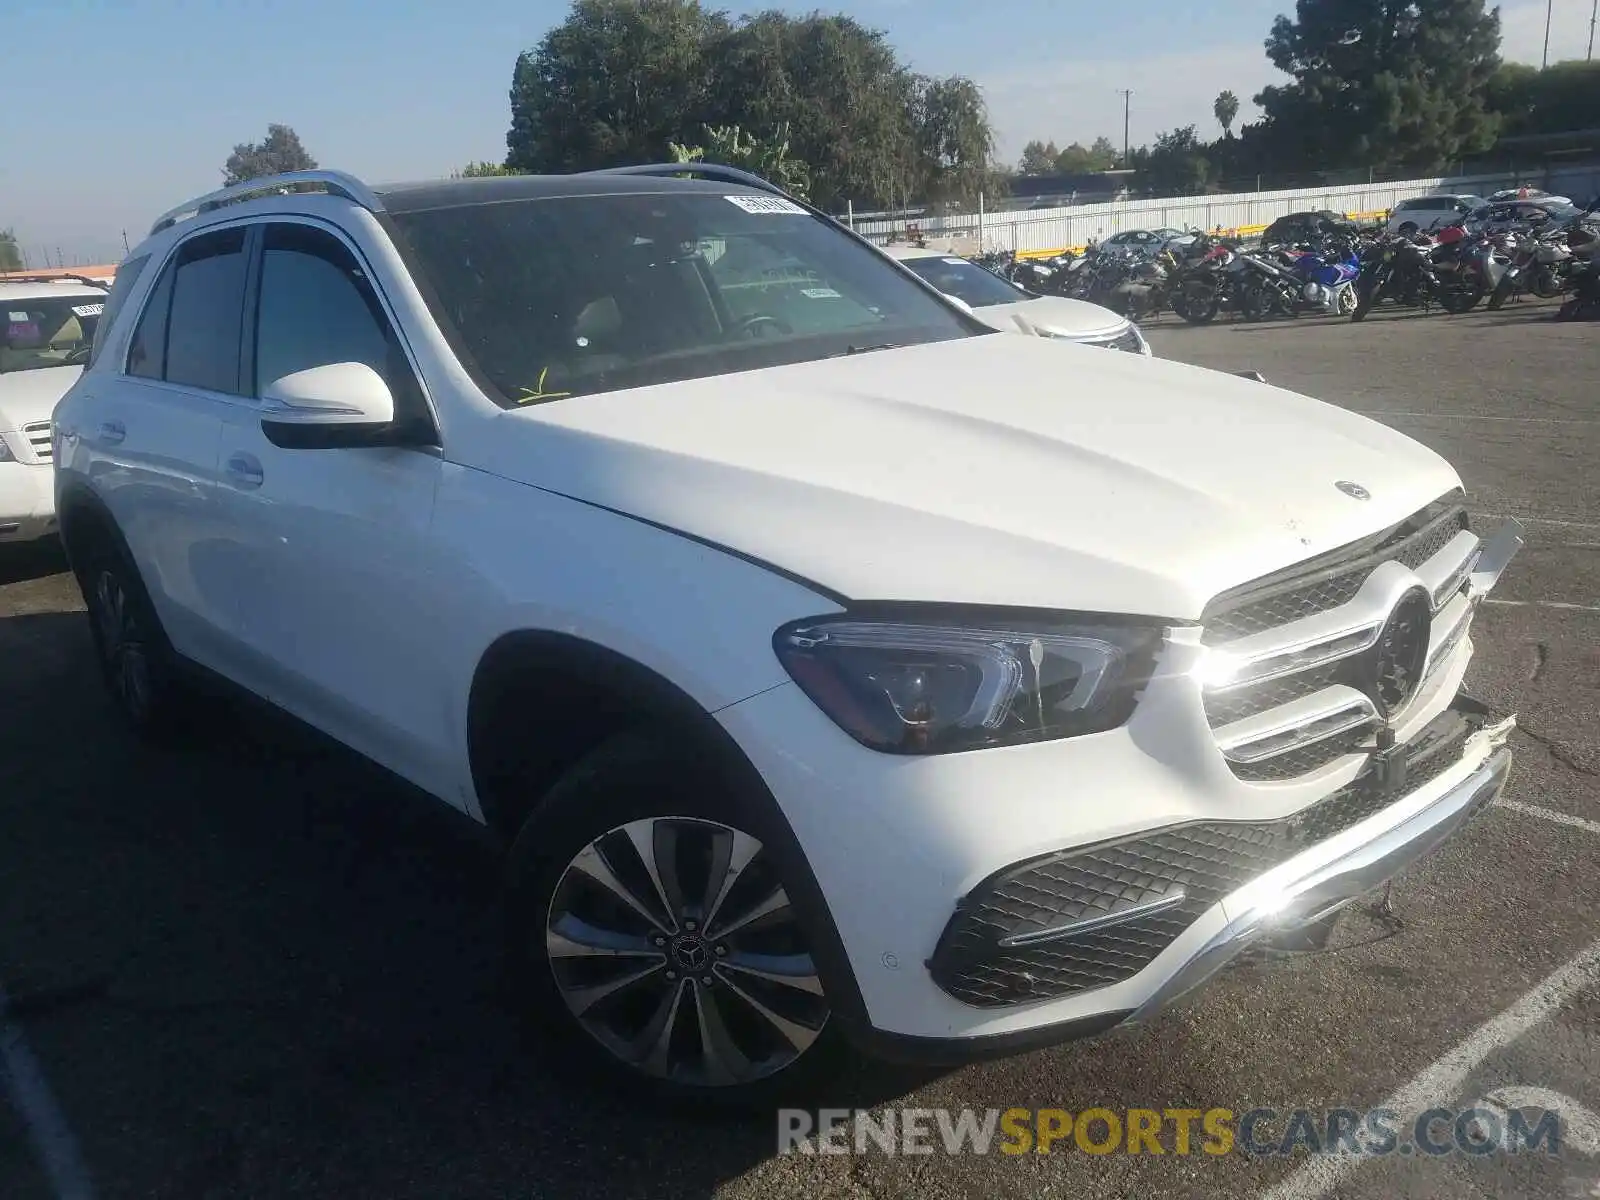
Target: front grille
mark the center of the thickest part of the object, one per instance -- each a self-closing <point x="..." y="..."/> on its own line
<point x="1307" y="589"/>
<point x="38" y="435"/>
<point x="1333" y="579"/>
<point x="1206" y="860"/>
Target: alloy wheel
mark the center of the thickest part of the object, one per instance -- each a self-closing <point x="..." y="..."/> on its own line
<point x="122" y="643"/>
<point x="674" y="944"/>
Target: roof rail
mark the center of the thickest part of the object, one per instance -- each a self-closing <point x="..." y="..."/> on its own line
<point x="703" y="169"/>
<point x="335" y="183"/>
<point x="57" y="277"/>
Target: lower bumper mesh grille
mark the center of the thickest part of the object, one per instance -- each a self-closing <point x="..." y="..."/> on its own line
<point x="1205" y="861"/>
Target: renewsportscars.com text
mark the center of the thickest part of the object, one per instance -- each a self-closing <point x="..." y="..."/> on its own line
<point x="1256" y="1132"/>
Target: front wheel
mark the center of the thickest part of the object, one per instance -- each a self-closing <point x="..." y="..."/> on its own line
<point x="651" y="915"/>
<point x="1461" y="300"/>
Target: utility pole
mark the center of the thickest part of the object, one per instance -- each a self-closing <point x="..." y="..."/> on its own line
<point x="1127" y="96"/>
<point x="125" y="241"/>
<point x="1548" y="6"/>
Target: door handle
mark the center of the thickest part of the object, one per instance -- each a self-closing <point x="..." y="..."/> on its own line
<point x="112" y="432"/>
<point x="244" y="471"/>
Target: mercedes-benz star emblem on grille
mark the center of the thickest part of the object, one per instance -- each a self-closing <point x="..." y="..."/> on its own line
<point x="1401" y="651"/>
<point x="1354" y="490"/>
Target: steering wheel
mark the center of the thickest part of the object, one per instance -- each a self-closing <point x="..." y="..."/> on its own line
<point x="754" y="321"/>
<point x="80" y="355"/>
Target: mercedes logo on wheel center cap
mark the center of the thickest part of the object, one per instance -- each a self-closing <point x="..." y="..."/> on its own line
<point x="1354" y="490"/>
<point x="1401" y="651"/>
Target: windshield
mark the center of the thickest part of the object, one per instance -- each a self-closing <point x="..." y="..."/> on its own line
<point x="574" y="295"/>
<point x="967" y="281"/>
<point x="53" y="331"/>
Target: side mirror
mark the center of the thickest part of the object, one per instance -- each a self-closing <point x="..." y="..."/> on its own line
<point x="329" y="407"/>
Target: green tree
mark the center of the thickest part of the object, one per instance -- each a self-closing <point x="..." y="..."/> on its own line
<point x="612" y="84"/>
<point x="952" y="139"/>
<point x="480" y="170"/>
<point x="619" y="79"/>
<point x="280" y="151"/>
<point x="1382" y="83"/>
<point x="1558" y="99"/>
<point x="1078" y="160"/>
<point x="1226" y="110"/>
<point x="766" y="157"/>
<point x="1175" y="165"/>
<point x="1039" y="158"/>
<point x="10" y="252"/>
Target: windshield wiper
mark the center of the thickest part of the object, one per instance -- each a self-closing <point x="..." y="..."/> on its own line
<point x="866" y="349"/>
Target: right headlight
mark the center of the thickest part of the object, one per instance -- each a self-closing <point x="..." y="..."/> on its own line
<point x="907" y="686"/>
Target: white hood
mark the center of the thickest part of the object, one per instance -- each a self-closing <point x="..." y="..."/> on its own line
<point x="1013" y="471"/>
<point x="30" y="396"/>
<point x="1055" y="316"/>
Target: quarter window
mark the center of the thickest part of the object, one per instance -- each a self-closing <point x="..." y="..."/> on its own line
<point x="203" y="327"/>
<point x="127" y="275"/>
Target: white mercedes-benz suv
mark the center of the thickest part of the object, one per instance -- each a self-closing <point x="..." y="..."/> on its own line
<point x="838" y="671"/>
<point x="47" y="326"/>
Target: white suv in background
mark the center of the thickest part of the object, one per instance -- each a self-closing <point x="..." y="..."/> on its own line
<point x="46" y="329"/>
<point x="1003" y="305"/>
<point x="838" y="671"/>
<point x="1423" y="213"/>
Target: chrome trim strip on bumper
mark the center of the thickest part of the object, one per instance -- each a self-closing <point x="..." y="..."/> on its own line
<point x="1090" y="924"/>
<point x="1315" y="883"/>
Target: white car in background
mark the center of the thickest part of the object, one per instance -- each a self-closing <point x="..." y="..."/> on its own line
<point x="1001" y="304"/>
<point x="46" y="334"/>
<point x="1423" y="213"/>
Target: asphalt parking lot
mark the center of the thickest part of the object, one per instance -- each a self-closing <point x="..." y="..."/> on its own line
<point x="259" y="971"/>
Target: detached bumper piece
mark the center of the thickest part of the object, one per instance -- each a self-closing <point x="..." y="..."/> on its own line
<point x="1095" y="916"/>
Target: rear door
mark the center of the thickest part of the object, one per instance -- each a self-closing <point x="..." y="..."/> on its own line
<point x="150" y="435"/>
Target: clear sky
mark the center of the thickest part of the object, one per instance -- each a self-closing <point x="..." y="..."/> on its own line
<point x="119" y="109"/>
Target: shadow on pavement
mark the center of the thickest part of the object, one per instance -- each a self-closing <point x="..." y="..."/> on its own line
<point x="260" y="967"/>
<point x="24" y="561"/>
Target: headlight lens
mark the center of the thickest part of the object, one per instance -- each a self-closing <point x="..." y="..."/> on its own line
<point x="908" y="687"/>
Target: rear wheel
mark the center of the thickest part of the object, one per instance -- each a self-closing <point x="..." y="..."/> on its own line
<point x="650" y="914"/>
<point x="1200" y="302"/>
<point x="1461" y="300"/>
<point x="137" y="663"/>
<point x="1409" y="229"/>
<point x="1546" y="284"/>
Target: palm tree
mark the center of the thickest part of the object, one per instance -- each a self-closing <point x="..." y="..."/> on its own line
<point x="1225" y="110"/>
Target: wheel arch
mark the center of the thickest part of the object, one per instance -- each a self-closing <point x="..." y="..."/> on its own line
<point x="533" y="680"/>
<point x="541" y="699"/>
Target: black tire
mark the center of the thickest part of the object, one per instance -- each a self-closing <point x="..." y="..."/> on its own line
<point x="1458" y="302"/>
<point x="1409" y="229"/>
<point x="142" y="673"/>
<point x="1255" y="304"/>
<point x="1546" y="284"/>
<point x="1366" y="299"/>
<point x="591" y="817"/>
<point x="1502" y="293"/>
<point x="1200" y="303"/>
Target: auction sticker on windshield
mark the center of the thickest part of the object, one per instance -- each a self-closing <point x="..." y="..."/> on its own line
<point x="88" y="310"/>
<point x="766" y="205"/>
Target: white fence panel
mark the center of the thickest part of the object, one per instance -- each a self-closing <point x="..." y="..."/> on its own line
<point x="1055" y="228"/>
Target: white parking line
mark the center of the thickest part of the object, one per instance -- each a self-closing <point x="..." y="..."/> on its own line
<point x="1561" y="604"/>
<point x="31" y="1096"/>
<point x="1550" y="814"/>
<point x="1445" y="1078"/>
